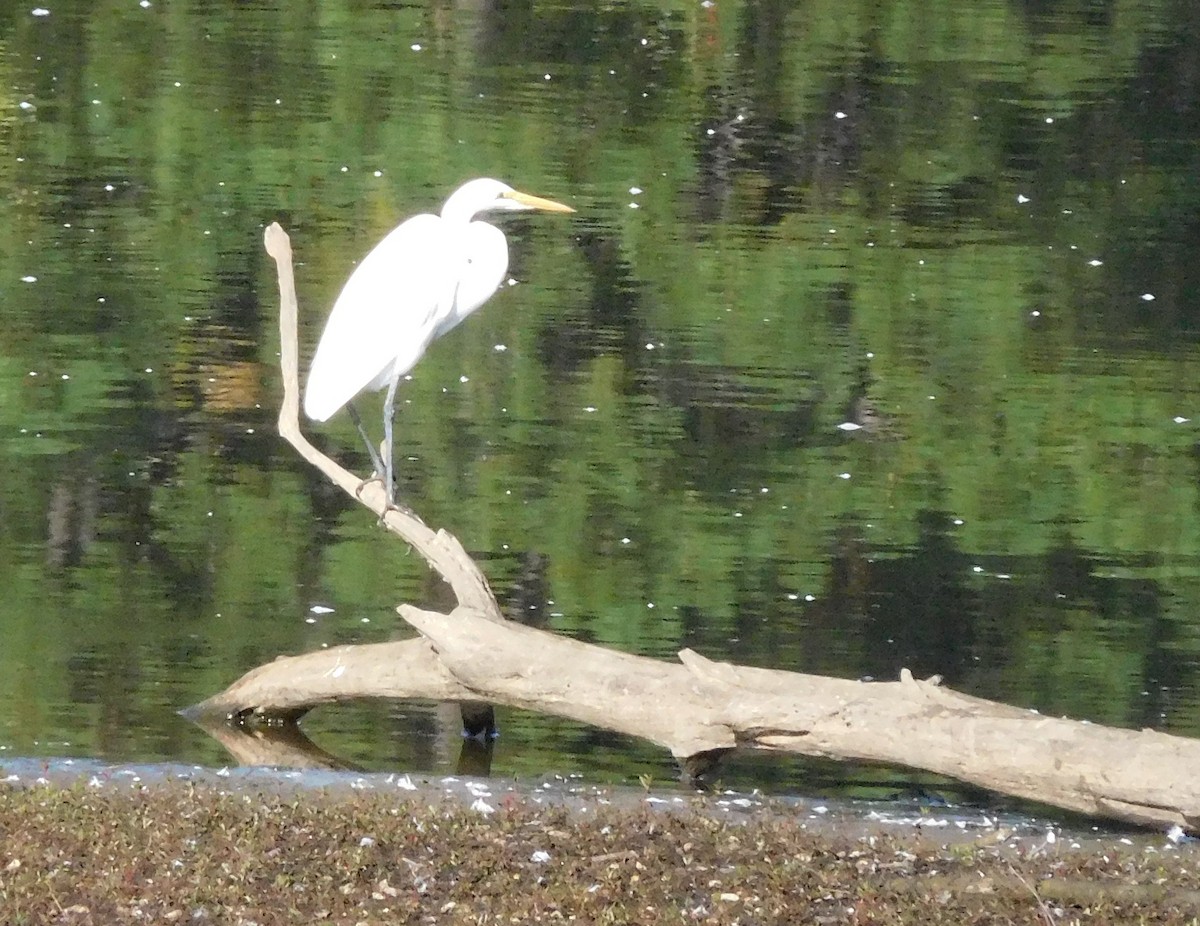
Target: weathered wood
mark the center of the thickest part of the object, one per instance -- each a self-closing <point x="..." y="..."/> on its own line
<point x="441" y="550"/>
<point x="697" y="708"/>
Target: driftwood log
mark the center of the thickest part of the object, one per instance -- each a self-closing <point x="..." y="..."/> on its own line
<point x="696" y="708"/>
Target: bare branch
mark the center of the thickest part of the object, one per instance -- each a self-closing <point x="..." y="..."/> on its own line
<point x="441" y="550"/>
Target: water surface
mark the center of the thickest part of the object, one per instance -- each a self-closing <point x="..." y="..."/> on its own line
<point x="873" y="345"/>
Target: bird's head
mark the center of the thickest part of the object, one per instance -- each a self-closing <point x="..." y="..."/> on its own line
<point x="487" y="195"/>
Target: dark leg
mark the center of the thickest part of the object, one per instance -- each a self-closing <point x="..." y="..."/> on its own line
<point x="375" y="461"/>
<point x="389" y="450"/>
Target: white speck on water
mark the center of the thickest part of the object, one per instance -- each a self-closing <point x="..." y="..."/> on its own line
<point x="29" y="279"/>
<point x="958" y="522"/>
<point x="145" y="4"/>
<point x="1035" y="314"/>
<point x="1095" y="262"/>
<point x="843" y="475"/>
<point x="810" y="597"/>
<point x="378" y="173"/>
<point x="321" y="609"/>
<point x="345" y="169"/>
<point x="1179" y="419"/>
<point x="499" y="348"/>
<point x="108" y="187"/>
<point x="792" y="596"/>
<point x="26" y="105"/>
<point x="1022" y="198"/>
<point x="839" y="115"/>
<point x="710" y="132"/>
<point x="464" y="379"/>
<point x="589" y="408"/>
<point x="39" y="11"/>
<point x="545" y="77"/>
<point x="1147" y="297"/>
<point x="66" y="376"/>
<point x="977" y="569"/>
<point x="633" y="206"/>
<point x="415" y="46"/>
<point x="625" y="540"/>
<point x="635" y="190"/>
<point x="849" y="426"/>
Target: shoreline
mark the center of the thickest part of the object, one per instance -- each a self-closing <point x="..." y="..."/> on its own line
<point x="243" y="847"/>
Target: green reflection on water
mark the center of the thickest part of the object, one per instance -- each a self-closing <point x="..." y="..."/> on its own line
<point x="940" y="222"/>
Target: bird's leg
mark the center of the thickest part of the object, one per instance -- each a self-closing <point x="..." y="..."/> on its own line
<point x="375" y="461"/>
<point x="389" y="448"/>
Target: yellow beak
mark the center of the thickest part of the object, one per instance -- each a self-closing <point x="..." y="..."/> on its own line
<point x="536" y="202"/>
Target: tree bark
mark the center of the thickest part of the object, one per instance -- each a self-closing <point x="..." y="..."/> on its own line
<point x="699" y="709"/>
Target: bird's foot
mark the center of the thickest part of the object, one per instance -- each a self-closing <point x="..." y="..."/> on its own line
<point x="399" y="509"/>
<point x="389" y="505"/>
<point x="374" y="477"/>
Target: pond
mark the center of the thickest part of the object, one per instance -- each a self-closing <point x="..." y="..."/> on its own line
<point x="874" y="344"/>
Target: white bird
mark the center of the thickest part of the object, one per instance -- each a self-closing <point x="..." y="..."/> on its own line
<point x="422" y="279"/>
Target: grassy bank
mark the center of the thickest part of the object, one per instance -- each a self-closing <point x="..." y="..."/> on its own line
<point x="181" y="853"/>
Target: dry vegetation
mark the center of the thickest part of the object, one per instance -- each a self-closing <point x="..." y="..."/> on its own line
<point x="182" y="853"/>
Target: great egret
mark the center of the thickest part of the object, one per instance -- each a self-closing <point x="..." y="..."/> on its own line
<point x="422" y="279"/>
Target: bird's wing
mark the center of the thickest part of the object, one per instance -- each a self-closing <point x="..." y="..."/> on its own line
<point x="385" y="316"/>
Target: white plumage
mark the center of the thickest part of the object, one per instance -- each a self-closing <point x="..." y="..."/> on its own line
<point x="422" y="279"/>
